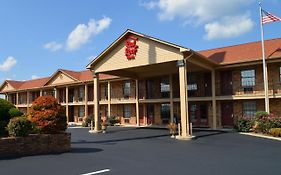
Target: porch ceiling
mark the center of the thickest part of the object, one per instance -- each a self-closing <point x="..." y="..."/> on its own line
<point x="153" y="70"/>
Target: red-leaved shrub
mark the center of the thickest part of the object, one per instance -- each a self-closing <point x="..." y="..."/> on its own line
<point x="48" y="115"/>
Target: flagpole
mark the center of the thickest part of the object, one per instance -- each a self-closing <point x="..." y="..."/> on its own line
<point x="265" y="78"/>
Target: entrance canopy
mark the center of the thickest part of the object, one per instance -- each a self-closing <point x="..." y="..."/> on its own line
<point x="137" y="56"/>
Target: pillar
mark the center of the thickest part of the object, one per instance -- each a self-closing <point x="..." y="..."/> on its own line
<point x="66" y="104"/>
<point x="185" y="129"/>
<point x="214" y="105"/>
<point x="137" y="103"/>
<point x="171" y="98"/>
<point x="96" y="103"/>
<point x="86" y="100"/>
<point x="27" y="100"/>
<point x="145" y="114"/>
<point x="41" y="93"/>
<point x="17" y="98"/>
<point x="55" y="93"/>
<point x="108" y="99"/>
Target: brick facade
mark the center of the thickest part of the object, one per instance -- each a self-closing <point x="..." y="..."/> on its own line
<point x="35" y="144"/>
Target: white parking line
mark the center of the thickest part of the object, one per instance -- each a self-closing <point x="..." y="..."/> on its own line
<point x="97" y="172"/>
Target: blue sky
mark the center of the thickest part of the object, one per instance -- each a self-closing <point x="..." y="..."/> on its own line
<point x="39" y="37"/>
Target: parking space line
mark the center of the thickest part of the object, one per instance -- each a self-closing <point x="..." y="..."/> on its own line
<point x="97" y="172"/>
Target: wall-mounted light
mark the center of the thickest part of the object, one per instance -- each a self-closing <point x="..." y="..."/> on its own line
<point x="180" y="63"/>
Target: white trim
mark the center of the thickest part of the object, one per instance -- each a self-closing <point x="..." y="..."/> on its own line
<point x="97" y="172"/>
<point x="260" y="135"/>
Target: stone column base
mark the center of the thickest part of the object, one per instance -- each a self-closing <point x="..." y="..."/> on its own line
<point x="179" y="137"/>
<point x="94" y="131"/>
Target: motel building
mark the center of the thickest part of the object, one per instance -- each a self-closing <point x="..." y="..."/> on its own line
<point x="146" y="81"/>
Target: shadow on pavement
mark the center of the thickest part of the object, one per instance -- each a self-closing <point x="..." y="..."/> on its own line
<point x="85" y="150"/>
<point x="119" y="140"/>
<point x="208" y="134"/>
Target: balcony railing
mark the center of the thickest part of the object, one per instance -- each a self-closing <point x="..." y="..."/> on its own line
<point x="257" y="88"/>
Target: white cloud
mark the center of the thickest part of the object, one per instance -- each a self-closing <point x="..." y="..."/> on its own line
<point x="83" y="32"/>
<point x="91" y="57"/>
<point x="34" y="77"/>
<point x="212" y="14"/>
<point x="8" y="64"/>
<point x="53" y="46"/>
<point x="229" y="27"/>
<point x="149" y="5"/>
<point x="199" y="10"/>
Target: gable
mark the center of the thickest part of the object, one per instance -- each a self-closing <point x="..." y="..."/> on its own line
<point x="149" y="52"/>
<point x="6" y="87"/>
<point x="60" y="78"/>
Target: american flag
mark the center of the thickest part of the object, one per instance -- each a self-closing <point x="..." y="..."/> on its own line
<point x="268" y="18"/>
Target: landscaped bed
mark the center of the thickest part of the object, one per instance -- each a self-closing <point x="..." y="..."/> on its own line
<point x="41" y="131"/>
<point x="262" y="124"/>
<point x="35" y="144"/>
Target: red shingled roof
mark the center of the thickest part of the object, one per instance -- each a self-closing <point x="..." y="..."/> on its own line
<point x="79" y="76"/>
<point x="225" y="55"/>
<point x="244" y="52"/>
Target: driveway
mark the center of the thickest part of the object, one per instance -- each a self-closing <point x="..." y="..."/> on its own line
<point x="139" y="151"/>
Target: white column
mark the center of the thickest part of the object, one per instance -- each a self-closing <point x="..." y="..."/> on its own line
<point x="17" y="98"/>
<point x="56" y="93"/>
<point x="96" y="103"/>
<point x="214" y="105"/>
<point x="27" y="100"/>
<point x="41" y="92"/>
<point x="171" y="98"/>
<point x="185" y="129"/>
<point x="66" y="104"/>
<point x="109" y="99"/>
<point x="86" y="100"/>
<point x="137" y="103"/>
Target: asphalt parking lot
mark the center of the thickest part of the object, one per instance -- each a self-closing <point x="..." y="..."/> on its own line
<point x="135" y="151"/>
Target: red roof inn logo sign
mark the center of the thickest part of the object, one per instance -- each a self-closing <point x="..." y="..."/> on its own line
<point x="131" y="47"/>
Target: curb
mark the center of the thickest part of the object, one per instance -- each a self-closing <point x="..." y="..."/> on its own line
<point x="260" y="136"/>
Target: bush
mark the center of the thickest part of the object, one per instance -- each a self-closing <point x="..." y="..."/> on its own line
<point x="275" y="132"/>
<point x="264" y="123"/>
<point x="5" y="106"/>
<point x="19" y="127"/>
<point x="244" y="124"/>
<point x="261" y="114"/>
<point x="48" y="115"/>
<point x="87" y="122"/>
<point x="14" y="112"/>
<point x="113" y="120"/>
<point x="3" y="131"/>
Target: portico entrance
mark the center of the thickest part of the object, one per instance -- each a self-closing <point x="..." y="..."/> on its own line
<point x="152" y="63"/>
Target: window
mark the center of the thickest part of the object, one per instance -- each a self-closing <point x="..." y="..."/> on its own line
<point x="106" y="91"/>
<point x="81" y="93"/>
<point x="127" y="111"/>
<point x="127" y="89"/>
<point x="81" y="111"/>
<point x="192" y="87"/>
<point x="193" y="109"/>
<point x="248" y="78"/>
<point x="165" y="87"/>
<point x="249" y="108"/>
<point x="280" y="74"/>
<point x="192" y="84"/>
<point x="165" y="113"/>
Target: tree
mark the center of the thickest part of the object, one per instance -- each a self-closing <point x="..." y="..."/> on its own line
<point x="48" y="115"/>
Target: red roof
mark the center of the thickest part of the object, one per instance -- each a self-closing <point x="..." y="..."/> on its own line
<point x="244" y="52"/>
<point x="37" y="83"/>
<point x="225" y="55"/>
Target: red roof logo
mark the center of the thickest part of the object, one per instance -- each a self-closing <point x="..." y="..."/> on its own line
<point x="131" y="47"/>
